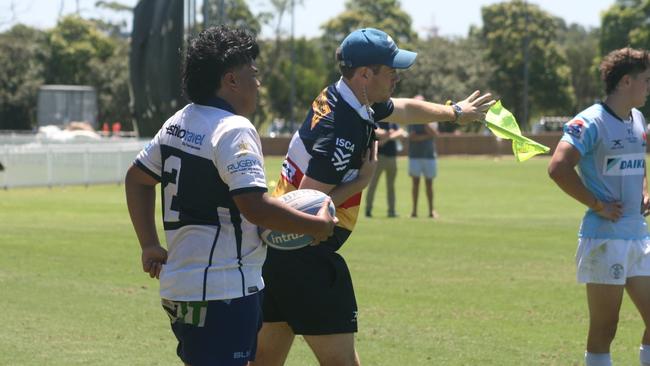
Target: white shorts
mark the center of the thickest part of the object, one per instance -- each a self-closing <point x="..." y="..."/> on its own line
<point x="612" y="261"/>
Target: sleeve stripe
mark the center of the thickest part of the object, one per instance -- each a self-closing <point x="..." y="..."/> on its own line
<point x="237" y="191"/>
<point x="139" y="164"/>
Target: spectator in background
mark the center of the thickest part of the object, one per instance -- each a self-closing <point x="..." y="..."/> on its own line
<point x="388" y="135"/>
<point x="422" y="161"/>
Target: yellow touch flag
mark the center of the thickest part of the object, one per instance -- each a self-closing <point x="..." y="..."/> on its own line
<point x="503" y="124"/>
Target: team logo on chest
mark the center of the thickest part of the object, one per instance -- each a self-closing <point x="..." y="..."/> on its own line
<point x="624" y="165"/>
<point x="617" y="144"/>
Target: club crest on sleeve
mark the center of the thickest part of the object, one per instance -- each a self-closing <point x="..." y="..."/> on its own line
<point x="575" y="128"/>
<point x="243" y="147"/>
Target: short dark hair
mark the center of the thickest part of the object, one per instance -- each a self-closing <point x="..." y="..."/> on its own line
<point x="213" y="53"/>
<point x="621" y="62"/>
<point x="348" y="72"/>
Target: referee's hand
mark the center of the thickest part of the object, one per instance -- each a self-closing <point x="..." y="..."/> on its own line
<point x="369" y="166"/>
<point x="475" y="107"/>
<point x="329" y="222"/>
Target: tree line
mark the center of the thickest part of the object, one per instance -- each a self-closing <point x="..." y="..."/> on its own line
<point x="562" y="59"/>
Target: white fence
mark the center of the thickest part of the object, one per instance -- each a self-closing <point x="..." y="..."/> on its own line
<point x="51" y="164"/>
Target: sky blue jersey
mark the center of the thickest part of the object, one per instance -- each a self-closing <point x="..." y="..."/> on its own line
<point x="612" y="167"/>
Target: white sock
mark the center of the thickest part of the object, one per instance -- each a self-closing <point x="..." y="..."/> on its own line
<point x="644" y="355"/>
<point x="598" y="359"/>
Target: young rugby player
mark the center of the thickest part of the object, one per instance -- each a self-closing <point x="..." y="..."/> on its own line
<point x="607" y="144"/>
<point x="209" y="162"/>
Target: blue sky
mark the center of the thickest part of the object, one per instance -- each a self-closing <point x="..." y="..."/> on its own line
<point x="452" y="18"/>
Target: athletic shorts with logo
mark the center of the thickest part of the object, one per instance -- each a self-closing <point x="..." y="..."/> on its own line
<point x="310" y="289"/>
<point x="612" y="261"/>
<point x="218" y="332"/>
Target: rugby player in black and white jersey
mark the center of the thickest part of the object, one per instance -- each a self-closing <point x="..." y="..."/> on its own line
<point x="309" y="291"/>
<point x="208" y="160"/>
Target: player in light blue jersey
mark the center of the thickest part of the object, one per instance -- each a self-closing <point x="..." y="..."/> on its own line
<point x="607" y="143"/>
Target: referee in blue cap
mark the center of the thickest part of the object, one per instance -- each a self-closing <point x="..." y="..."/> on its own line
<point x="309" y="291"/>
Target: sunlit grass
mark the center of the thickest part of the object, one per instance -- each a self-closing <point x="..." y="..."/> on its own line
<point x="492" y="282"/>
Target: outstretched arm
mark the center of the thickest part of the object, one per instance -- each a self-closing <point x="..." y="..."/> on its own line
<point x="413" y="111"/>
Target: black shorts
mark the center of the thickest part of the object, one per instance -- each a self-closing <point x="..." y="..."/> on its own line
<point x="310" y="289"/>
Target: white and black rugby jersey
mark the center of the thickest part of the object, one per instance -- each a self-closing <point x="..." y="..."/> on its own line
<point x="203" y="156"/>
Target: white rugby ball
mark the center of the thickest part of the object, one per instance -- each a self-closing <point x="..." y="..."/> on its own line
<point x="306" y="200"/>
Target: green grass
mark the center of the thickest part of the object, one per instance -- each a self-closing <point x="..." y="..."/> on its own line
<point x="492" y="282"/>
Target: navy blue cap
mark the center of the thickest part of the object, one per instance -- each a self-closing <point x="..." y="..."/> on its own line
<point x="369" y="46"/>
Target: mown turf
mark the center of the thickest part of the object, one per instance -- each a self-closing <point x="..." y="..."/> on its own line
<point x="489" y="283"/>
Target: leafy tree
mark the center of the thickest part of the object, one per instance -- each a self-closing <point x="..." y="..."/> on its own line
<point x="74" y="43"/>
<point x="310" y="80"/>
<point x="446" y="69"/>
<point x="386" y="15"/>
<point x="111" y="79"/>
<point x="22" y="58"/>
<point x="508" y="27"/>
<point x="112" y="28"/>
<point x="236" y="14"/>
<point x="113" y="5"/>
<point x="83" y="55"/>
<point x="580" y="46"/>
<point x="270" y="52"/>
<point x="625" y="24"/>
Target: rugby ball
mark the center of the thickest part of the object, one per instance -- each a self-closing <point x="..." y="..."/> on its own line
<point x="306" y="200"/>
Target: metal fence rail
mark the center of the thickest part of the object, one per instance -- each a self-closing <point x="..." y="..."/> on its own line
<point x="36" y="164"/>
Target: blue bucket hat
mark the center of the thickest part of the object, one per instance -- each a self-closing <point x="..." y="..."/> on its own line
<point x="369" y="46"/>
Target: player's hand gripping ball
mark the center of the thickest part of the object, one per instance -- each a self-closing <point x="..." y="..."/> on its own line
<point x="305" y="200"/>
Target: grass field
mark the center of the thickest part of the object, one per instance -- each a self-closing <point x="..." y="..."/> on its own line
<point x="489" y="283"/>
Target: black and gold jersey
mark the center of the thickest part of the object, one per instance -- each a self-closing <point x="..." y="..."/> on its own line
<point x="329" y="147"/>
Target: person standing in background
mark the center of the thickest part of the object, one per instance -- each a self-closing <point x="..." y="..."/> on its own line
<point x="388" y="134"/>
<point x="422" y="161"/>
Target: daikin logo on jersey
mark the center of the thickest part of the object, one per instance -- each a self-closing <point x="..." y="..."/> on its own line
<point x="186" y="135"/>
<point x="623" y="165"/>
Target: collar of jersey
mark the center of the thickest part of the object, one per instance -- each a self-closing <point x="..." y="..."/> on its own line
<point x="611" y="112"/>
<point x="220" y="103"/>
<point x="352" y="100"/>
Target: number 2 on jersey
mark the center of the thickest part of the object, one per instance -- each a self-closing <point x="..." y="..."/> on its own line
<point x="170" y="177"/>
